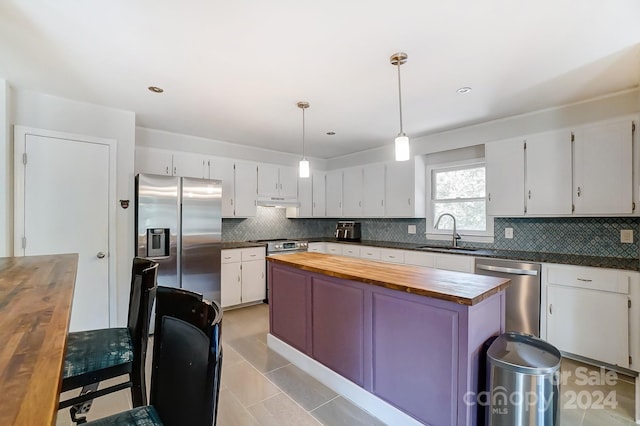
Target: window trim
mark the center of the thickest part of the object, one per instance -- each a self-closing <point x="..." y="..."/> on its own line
<point x="486" y="236"/>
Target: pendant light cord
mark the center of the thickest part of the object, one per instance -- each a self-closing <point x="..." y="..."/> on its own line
<point x="400" y="97"/>
<point x="303" y="133"/>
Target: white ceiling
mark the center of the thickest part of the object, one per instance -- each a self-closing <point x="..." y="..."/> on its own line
<point x="234" y="70"/>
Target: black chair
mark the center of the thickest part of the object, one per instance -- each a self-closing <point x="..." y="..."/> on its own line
<point x="187" y="362"/>
<point x="97" y="355"/>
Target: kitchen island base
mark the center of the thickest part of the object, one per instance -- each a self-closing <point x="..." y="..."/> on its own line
<point x="416" y="354"/>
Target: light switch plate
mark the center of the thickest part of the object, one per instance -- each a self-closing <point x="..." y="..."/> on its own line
<point x="508" y="233"/>
<point x="626" y="236"/>
<point x="411" y="229"/>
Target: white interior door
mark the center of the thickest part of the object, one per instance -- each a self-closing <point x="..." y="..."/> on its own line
<point x="66" y="192"/>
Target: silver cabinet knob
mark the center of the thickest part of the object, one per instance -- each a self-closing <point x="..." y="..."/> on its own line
<point x="100" y="255"/>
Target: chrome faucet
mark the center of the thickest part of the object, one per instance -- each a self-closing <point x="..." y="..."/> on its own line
<point x="454" y="236"/>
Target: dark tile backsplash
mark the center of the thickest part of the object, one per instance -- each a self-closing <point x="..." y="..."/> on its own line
<point x="595" y="236"/>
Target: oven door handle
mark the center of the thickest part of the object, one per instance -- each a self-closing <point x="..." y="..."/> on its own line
<point x="512" y="271"/>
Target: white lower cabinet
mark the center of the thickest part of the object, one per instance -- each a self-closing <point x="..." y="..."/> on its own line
<point x="318" y="247"/>
<point x="351" y="250"/>
<point x="371" y="253"/>
<point x="588" y="312"/>
<point x="392" y="255"/>
<point x="242" y="276"/>
<point x="334" y="248"/>
<point x="453" y="262"/>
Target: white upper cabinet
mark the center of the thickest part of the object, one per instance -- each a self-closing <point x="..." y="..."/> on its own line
<point x="305" y="197"/>
<point x="373" y="193"/>
<point x="548" y="173"/>
<point x="505" y="177"/>
<point x="246" y="189"/>
<point x="334" y="193"/>
<point x="223" y="169"/>
<point x="154" y="161"/>
<point x="187" y="164"/>
<point x="404" y="189"/>
<point x="603" y="168"/>
<point x="352" y="192"/>
<point x="318" y="208"/>
<point x="277" y="181"/>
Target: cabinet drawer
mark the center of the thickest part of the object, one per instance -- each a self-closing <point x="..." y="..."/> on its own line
<point x="231" y="256"/>
<point x="316" y="247"/>
<point x="254" y="253"/>
<point x="392" y="255"/>
<point x="419" y="259"/>
<point x="368" y="252"/>
<point x="589" y="278"/>
<point x="351" y="250"/>
<point x="334" y="248"/>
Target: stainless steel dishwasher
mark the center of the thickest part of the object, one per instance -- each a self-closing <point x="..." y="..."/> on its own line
<point x="523" y="295"/>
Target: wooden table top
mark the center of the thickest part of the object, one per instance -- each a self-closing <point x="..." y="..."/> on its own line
<point x="35" y="307"/>
<point x="458" y="287"/>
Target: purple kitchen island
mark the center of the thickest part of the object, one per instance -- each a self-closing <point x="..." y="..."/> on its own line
<point x="409" y="336"/>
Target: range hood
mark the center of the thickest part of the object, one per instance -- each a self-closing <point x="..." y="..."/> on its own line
<point x="265" y="201"/>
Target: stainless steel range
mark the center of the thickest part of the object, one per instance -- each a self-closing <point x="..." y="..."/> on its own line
<point x="281" y="246"/>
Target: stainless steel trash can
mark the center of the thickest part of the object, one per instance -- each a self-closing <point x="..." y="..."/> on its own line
<point x="523" y="386"/>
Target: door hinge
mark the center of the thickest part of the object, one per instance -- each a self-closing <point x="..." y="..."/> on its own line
<point x="630" y="360"/>
<point x="573" y="137"/>
<point x="629" y="303"/>
<point x="633" y="206"/>
<point x="525" y="145"/>
<point x="573" y="208"/>
<point x="24" y="242"/>
<point x="24" y="158"/>
<point x="525" y="209"/>
<point x="633" y="126"/>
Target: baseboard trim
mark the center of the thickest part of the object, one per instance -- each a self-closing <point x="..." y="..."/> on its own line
<point x="365" y="400"/>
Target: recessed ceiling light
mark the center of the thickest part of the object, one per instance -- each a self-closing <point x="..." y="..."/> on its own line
<point x="155" y="89"/>
<point x="464" y="90"/>
<point x="331" y="133"/>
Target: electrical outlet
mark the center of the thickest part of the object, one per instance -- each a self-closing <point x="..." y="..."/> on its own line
<point x="626" y="236"/>
<point x="508" y="233"/>
<point x="411" y="229"/>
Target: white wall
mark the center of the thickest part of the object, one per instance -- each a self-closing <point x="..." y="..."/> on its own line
<point x="614" y="105"/>
<point x="6" y="173"/>
<point x="178" y="142"/>
<point x="42" y="111"/>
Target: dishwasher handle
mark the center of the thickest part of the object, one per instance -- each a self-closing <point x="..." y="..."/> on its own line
<point x="513" y="271"/>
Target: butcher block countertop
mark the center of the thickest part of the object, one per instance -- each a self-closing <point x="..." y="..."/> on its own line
<point x="35" y="307"/>
<point x="458" y="287"/>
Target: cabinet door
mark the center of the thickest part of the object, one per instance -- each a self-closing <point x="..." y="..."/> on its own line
<point x="371" y="253"/>
<point x="154" y="161"/>
<point x="452" y="262"/>
<point x="548" y="166"/>
<point x="305" y="197"/>
<point x="253" y="281"/>
<point x="268" y="181"/>
<point x="317" y="247"/>
<point x="373" y="194"/>
<point x="319" y="195"/>
<point x="505" y="177"/>
<point x="334" y="194"/>
<point x="352" y="192"/>
<point x="246" y="188"/>
<point x="334" y="248"/>
<point x="187" y="164"/>
<point x="230" y="284"/>
<point x="603" y="169"/>
<point x="351" y="250"/>
<point x="417" y="258"/>
<point x="222" y="169"/>
<point x="399" y="189"/>
<point x="288" y="180"/>
<point x="589" y="323"/>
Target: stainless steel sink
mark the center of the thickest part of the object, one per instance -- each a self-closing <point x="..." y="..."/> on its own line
<point x="446" y="249"/>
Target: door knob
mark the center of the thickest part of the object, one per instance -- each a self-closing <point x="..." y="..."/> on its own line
<point x="100" y="255"/>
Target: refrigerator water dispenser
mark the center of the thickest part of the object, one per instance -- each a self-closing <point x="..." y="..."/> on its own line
<point x="157" y="242"/>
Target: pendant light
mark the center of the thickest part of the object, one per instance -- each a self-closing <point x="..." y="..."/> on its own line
<point x="402" y="140"/>
<point x="303" y="166"/>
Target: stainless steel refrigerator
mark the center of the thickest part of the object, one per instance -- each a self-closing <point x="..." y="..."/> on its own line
<point x="179" y="225"/>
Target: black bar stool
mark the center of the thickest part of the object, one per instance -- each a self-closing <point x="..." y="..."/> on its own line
<point x="187" y="363"/>
<point x="97" y="355"/>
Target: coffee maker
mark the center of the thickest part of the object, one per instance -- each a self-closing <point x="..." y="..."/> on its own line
<point x="348" y="230"/>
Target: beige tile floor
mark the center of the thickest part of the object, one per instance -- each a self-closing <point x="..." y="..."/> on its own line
<point x="259" y="387"/>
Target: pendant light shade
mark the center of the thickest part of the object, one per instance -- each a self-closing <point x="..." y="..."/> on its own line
<point x="303" y="166"/>
<point x="402" y="140"/>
